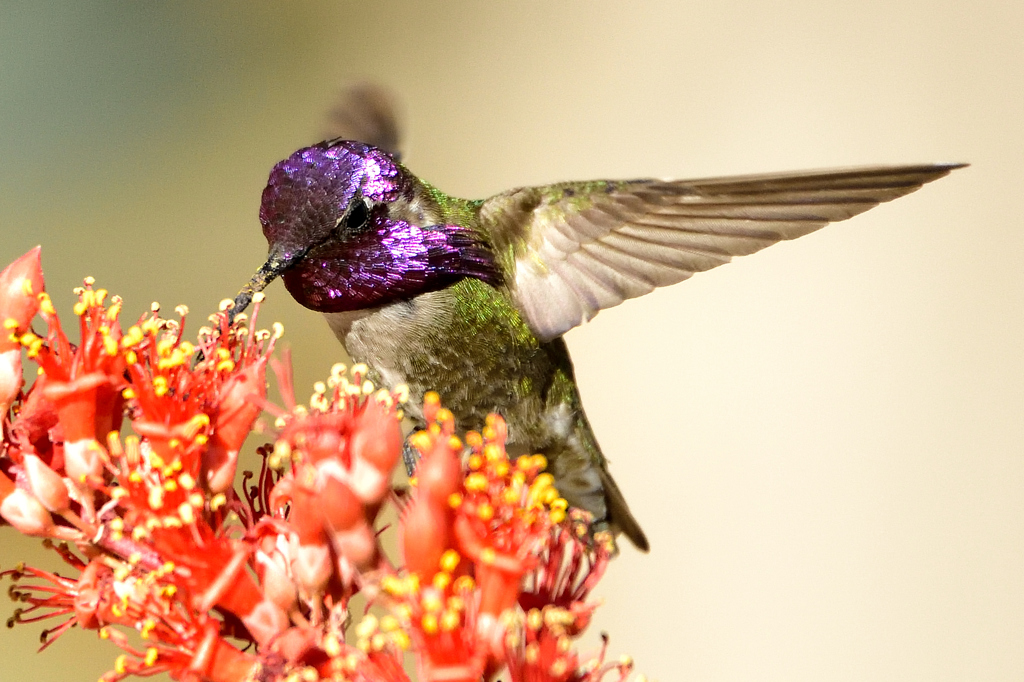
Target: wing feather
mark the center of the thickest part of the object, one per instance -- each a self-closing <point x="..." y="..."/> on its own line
<point x="578" y="248"/>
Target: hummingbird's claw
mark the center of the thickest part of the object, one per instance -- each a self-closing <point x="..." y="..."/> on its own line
<point x="411" y="457"/>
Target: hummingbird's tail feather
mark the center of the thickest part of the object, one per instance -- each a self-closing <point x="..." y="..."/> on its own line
<point x="582" y="478"/>
<point x="620" y="518"/>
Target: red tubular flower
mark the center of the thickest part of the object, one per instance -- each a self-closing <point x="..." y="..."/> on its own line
<point x="496" y="569"/>
<point x="426" y="532"/>
<point x="237" y="405"/>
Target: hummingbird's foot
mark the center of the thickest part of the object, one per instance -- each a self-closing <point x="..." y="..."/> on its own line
<point x="411" y="457"/>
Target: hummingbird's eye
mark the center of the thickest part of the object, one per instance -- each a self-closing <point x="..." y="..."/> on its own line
<point x="357" y="215"/>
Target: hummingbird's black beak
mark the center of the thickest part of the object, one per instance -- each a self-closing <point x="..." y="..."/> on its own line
<point x="277" y="262"/>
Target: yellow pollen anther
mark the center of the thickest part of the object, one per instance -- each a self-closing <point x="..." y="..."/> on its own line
<point x="449" y="560"/>
<point x="487" y="555"/>
<point x="400" y="639"/>
<point x="121" y="663"/>
<point x="476" y="482"/>
<point x="431" y="602"/>
<point x="110" y="346"/>
<point x="449" y="621"/>
<point x="464" y="585"/>
<point x="392" y="585"/>
<point x="420" y="440"/>
<point x="151" y="656"/>
<point x="475" y="462"/>
<point x="367" y="626"/>
<point x="485" y="511"/>
<point x="455" y="500"/>
<point x="186" y="513"/>
<point x="534" y="619"/>
<point x="441" y="580"/>
<point x="511" y="495"/>
<point x="543" y="481"/>
<point x="225" y="305"/>
<point x="429" y="623"/>
<point x="331" y="645"/>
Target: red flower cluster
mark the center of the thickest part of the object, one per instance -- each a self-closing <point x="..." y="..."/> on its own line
<point x="183" y="573"/>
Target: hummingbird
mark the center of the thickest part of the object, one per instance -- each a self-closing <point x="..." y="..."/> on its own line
<point x="471" y="298"/>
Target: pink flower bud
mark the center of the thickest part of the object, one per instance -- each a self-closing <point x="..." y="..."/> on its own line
<point x="10" y="377"/>
<point x="27" y="514"/>
<point x="272" y="570"/>
<point x="46" y="484"/>
<point x="21" y="282"/>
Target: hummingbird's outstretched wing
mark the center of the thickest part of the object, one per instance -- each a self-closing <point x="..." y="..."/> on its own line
<point x="367" y="112"/>
<point x="574" y="249"/>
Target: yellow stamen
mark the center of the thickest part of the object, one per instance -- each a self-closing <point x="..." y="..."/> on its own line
<point x="450" y="560"/>
<point x="476" y="482"/>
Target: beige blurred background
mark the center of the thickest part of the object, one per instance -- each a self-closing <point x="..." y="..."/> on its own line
<point x="824" y="441"/>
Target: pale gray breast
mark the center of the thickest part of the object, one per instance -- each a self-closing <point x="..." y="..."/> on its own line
<point x="389" y="338"/>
